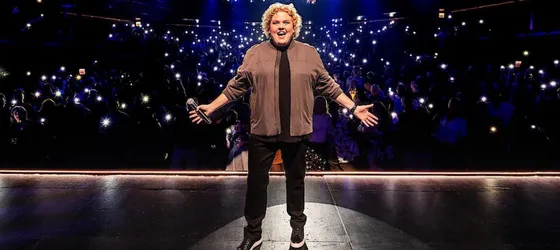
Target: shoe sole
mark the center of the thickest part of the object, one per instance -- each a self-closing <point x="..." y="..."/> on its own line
<point x="297" y="245"/>
<point x="257" y="245"/>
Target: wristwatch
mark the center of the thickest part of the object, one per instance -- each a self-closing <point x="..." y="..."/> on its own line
<point x="353" y="109"/>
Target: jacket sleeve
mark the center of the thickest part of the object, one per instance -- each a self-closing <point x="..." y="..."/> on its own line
<point x="241" y="82"/>
<point x="324" y="85"/>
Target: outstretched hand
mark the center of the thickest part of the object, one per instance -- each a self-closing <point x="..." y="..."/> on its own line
<point x="362" y="113"/>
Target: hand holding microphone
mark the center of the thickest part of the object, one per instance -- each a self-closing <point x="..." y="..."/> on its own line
<point x="199" y="113"/>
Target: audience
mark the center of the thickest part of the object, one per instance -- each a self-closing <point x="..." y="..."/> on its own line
<point x="125" y="108"/>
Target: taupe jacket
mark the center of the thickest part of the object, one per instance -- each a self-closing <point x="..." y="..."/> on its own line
<point x="259" y="71"/>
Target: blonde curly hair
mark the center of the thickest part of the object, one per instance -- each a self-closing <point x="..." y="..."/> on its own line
<point x="277" y="7"/>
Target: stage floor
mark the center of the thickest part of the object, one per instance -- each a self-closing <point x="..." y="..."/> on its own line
<point x="82" y="212"/>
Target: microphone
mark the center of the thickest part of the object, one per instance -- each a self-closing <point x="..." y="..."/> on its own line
<point x="193" y="105"/>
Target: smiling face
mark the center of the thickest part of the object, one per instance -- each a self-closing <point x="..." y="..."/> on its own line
<point x="281" y="28"/>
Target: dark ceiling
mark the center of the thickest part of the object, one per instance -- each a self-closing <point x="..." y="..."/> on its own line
<point x="173" y="10"/>
<point x="235" y="11"/>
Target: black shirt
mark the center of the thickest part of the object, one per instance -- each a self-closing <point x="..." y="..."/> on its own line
<point x="285" y="96"/>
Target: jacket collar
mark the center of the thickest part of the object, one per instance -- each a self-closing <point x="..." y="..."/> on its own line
<point x="290" y="47"/>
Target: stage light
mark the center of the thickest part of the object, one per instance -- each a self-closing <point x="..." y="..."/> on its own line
<point x="14" y="102"/>
<point x="145" y="99"/>
<point x="422" y="100"/>
<point x="553" y="84"/>
<point x="543" y="86"/>
<point x="99" y="98"/>
<point x="431" y="106"/>
<point x="177" y="75"/>
<point x="168" y="117"/>
<point x="37" y="94"/>
<point x="62" y="68"/>
<point x="28" y="73"/>
<point x="77" y="100"/>
<point x="483" y="99"/>
<point x="493" y="129"/>
<point x="525" y="53"/>
<point x="58" y="93"/>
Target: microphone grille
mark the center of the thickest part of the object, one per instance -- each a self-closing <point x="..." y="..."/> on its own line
<point x="190" y="101"/>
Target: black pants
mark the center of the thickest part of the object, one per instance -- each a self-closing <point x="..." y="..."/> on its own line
<point x="261" y="156"/>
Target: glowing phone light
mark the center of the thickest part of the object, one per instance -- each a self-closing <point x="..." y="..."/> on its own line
<point x="106" y="122"/>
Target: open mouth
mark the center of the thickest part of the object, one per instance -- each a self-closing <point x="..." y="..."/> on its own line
<point x="281" y="33"/>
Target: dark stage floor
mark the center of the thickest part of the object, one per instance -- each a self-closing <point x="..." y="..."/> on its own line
<point x="179" y="212"/>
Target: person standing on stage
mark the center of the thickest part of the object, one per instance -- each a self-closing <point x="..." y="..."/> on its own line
<point x="282" y="74"/>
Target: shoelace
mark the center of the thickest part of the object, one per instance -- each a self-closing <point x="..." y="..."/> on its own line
<point x="298" y="232"/>
<point x="244" y="244"/>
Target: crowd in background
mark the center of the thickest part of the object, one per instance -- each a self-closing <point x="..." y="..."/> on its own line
<point x="434" y="114"/>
